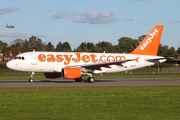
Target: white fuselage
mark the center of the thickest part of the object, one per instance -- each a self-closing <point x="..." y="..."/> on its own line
<point x="55" y="61"/>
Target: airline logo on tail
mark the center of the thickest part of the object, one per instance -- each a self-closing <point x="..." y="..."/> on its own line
<point x="150" y="44"/>
<point x="149" y="40"/>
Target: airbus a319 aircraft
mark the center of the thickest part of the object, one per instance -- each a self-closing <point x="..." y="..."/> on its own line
<point x="73" y="65"/>
<point x="9" y="26"/>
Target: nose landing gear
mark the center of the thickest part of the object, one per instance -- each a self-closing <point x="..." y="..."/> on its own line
<point x="31" y="79"/>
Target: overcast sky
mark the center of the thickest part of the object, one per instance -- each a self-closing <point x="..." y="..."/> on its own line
<point x="78" y="21"/>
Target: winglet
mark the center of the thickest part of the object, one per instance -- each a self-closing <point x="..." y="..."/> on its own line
<point x="150" y="44"/>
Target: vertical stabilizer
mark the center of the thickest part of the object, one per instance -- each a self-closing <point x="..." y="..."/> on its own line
<point x="150" y="44"/>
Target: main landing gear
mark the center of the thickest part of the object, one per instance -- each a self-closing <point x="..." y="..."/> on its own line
<point x="90" y="79"/>
<point x="31" y="79"/>
<point x="84" y="72"/>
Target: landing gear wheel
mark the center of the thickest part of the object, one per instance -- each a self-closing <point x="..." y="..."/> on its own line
<point x="78" y="79"/>
<point x="91" y="79"/>
<point x="31" y="80"/>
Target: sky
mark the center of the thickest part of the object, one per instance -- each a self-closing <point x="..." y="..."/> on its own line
<point x="77" y="21"/>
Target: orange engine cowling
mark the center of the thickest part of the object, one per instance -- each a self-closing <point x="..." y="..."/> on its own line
<point x="71" y="73"/>
<point x="52" y="75"/>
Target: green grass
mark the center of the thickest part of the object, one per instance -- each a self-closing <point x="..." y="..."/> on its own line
<point x="126" y="103"/>
<point x="22" y="76"/>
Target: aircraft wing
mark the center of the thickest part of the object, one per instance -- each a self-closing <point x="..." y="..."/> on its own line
<point x="105" y="64"/>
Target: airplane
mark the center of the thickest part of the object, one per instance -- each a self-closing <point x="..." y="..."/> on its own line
<point x="73" y="65"/>
<point x="9" y="26"/>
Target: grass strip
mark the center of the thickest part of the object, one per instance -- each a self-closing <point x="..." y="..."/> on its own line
<point x="127" y="103"/>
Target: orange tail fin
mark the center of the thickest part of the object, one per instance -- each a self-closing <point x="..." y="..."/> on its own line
<point x="150" y="44"/>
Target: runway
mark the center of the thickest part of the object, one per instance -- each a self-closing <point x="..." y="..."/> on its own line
<point x="123" y="82"/>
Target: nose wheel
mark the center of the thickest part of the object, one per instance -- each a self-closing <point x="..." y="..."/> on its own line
<point x="31" y="79"/>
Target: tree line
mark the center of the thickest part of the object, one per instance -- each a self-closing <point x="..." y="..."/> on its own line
<point x="125" y="45"/>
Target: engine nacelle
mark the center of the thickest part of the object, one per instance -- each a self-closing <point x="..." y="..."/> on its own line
<point x="52" y="75"/>
<point x="71" y="73"/>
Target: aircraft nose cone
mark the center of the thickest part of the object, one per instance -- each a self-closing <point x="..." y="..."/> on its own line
<point x="10" y="65"/>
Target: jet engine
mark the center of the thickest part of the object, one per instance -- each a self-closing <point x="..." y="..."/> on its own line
<point x="52" y="75"/>
<point x="71" y="73"/>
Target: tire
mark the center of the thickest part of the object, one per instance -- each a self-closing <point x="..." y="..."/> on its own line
<point x="91" y="79"/>
<point x="31" y="80"/>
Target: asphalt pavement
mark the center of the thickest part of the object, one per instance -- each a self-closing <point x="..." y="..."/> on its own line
<point x="122" y="82"/>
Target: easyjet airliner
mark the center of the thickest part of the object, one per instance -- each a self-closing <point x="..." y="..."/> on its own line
<point x="73" y="65"/>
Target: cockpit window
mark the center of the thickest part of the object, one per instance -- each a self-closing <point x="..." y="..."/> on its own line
<point x="19" y="58"/>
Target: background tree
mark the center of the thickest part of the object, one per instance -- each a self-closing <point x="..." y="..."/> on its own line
<point x="58" y="47"/>
<point x="27" y="45"/>
<point x="126" y="44"/>
<point x="17" y="46"/>
<point x="3" y="47"/>
<point x="138" y="41"/>
<point x="36" y="44"/>
<point x="82" y="48"/>
<point x="172" y="52"/>
<point x="85" y="47"/>
<point x="40" y="46"/>
<point x="90" y="46"/>
<point x="178" y="51"/>
<point x="63" y="47"/>
<point x="50" y="47"/>
<point x="117" y="49"/>
<point x="66" y="47"/>
<point x="104" y="46"/>
<point x="163" y="50"/>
